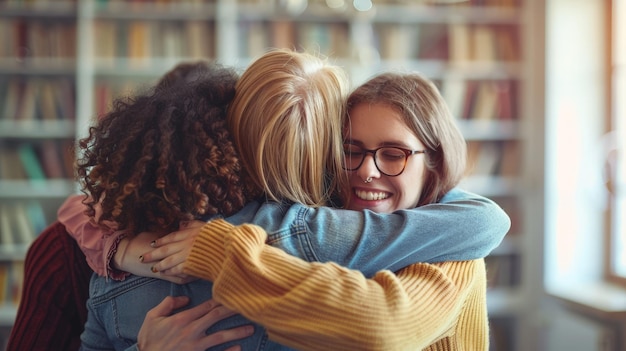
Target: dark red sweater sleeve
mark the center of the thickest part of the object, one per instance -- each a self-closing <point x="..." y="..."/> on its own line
<point x="52" y="311"/>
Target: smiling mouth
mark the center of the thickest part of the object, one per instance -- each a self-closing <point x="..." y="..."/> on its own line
<point x="370" y="195"/>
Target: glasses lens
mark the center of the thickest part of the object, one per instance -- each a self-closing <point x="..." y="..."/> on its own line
<point x="353" y="156"/>
<point x="390" y="160"/>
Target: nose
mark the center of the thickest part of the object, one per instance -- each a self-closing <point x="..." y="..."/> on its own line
<point x="368" y="168"/>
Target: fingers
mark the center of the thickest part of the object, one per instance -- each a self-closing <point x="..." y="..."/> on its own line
<point x="177" y="270"/>
<point x="172" y="258"/>
<point x="197" y="319"/>
<point x="191" y="231"/>
<point x="176" y="279"/>
<point x="173" y="264"/>
<point x="174" y="237"/>
<point x="169" y="304"/>
<point x="154" y="255"/>
<point x="168" y="257"/>
<point x="170" y="252"/>
<point x="216" y="314"/>
<point x="165" y="247"/>
<point x="192" y="224"/>
<point x="166" y="252"/>
<point x="227" y="335"/>
<point x="200" y="312"/>
<point x="186" y="330"/>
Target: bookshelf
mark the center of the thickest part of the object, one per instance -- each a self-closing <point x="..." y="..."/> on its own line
<point x="37" y="119"/>
<point x="485" y="55"/>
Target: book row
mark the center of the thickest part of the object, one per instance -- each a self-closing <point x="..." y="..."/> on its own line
<point x="495" y="3"/>
<point x="47" y="159"/>
<point x="494" y="158"/>
<point x="512" y="207"/>
<point x="33" y="40"/>
<point x="455" y="42"/>
<point x="106" y="91"/>
<point x="42" y="3"/>
<point x="141" y="40"/>
<point x="28" y="98"/>
<point x="481" y="99"/>
<point x="503" y="270"/>
<point x="20" y="223"/>
<point x="45" y="99"/>
<point x="468" y="100"/>
<point x="332" y="39"/>
<point x="466" y="3"/>
<point x="53" y="99"/>
<point x="27" y="38"/>
<point x="157" y="3"/>
<point x="502" y="334"/>
<point x="11" y="282"/>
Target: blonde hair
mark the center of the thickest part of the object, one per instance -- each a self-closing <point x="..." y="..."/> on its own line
<point x="425" y="112"/>
<point x="286" y="120"/>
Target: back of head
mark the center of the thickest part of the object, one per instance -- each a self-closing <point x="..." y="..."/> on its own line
<point x="425" y="112"/>
<point x="186" y="73"/>
<point x="286" y="123"/>
<point x="166" y="156"/>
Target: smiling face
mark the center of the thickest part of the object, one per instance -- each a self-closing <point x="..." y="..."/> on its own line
<point x="373" y="126"/>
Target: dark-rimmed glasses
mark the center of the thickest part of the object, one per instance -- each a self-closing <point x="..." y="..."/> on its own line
<point x="389" y="160"/>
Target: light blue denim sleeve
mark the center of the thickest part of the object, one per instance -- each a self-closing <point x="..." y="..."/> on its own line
<point x="462" y="226"/>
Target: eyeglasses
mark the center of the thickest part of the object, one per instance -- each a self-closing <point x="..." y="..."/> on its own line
<point x="389" y="161"/>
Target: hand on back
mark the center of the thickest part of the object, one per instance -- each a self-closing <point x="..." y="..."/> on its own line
<point x="186" y="330"/>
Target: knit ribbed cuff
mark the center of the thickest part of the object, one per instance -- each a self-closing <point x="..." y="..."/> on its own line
<point x="207" y="253"/>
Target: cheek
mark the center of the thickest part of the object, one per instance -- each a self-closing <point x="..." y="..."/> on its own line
<point x="413" y="185"/>
<point x="411" y="194"/>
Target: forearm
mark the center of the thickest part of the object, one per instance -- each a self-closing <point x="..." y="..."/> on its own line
<point x="463" y="227"/>
<point x="313" y="306"/>
<point x="127" y="257"/>
<point x="98" y="243"/>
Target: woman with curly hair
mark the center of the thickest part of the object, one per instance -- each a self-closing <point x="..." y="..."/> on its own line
<point x="157" y="160"/>
<point x="165" y="157"/>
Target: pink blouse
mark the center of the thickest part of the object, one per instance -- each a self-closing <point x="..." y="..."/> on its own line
<point x="98" y="242"/>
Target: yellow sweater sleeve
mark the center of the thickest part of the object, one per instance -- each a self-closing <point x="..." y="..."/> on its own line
<point x="323" y="306"/>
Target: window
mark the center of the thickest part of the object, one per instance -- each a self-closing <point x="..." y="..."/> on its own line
<point x="577" y="100"/>
<point x="615" y="163"/>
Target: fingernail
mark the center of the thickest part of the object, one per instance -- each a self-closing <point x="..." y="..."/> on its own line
<point x="141" y="258"/>
<point x="153" y="269"/>
<point x="153" y="243"/>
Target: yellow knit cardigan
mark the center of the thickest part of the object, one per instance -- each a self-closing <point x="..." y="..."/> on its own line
<point x="323" y="306"/>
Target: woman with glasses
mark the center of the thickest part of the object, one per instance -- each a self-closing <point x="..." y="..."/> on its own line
<point x="402" y="150"/>
<point x="286" y="120"/>
<point x="402" y="147"/>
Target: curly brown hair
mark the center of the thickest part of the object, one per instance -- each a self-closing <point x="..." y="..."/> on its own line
<point x="166" y="155"/>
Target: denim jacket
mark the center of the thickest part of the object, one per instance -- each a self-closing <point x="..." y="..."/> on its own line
<point x="462" y="226"/>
